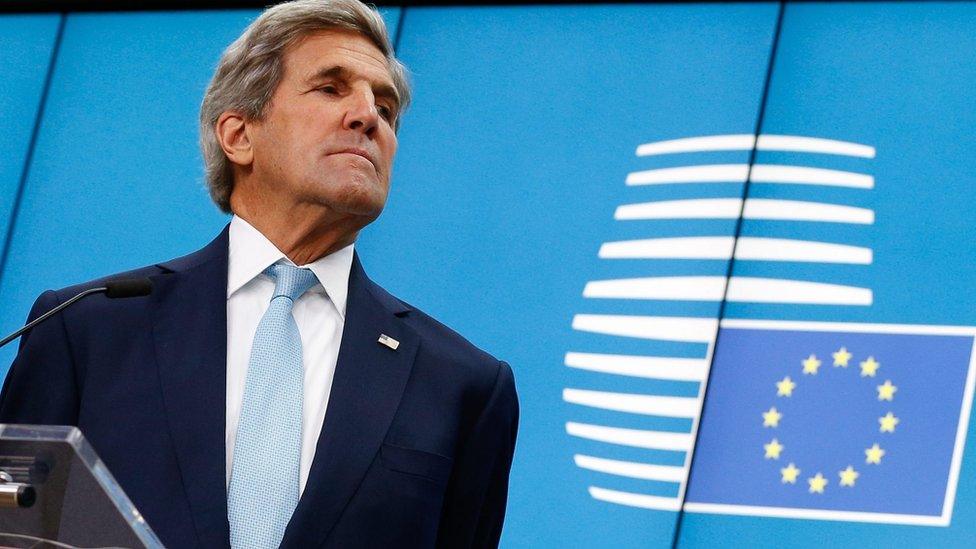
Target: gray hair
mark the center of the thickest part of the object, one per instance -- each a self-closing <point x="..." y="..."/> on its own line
<point x="251" y="68"/>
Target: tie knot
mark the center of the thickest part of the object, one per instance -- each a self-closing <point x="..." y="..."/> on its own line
<point x="290" y="281"/>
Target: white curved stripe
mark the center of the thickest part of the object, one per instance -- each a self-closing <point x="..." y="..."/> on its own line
<point x="651" y="405"/>
<point x="798" y="143"/>
<point x="686" y="247"/>
<point x="635" y="500"/>
<point x="699" y="208"/>
<point x="761" y="173"/>
<point x="741" y="289"/>
<point x="782" y="249"/>
<point x="697" y="330"/>
<point x="740" y="142"/>
<point x="732" y="142"/>
<point x="772" y="290"/>
<point x="818" y="514"/>
<point x="803" y="175"/>
<point x="652" y="367"/>
<point x="795" y="210"/>
<point x="755" y="208"/>
<point x="676" y="288"/>
<point x="655" y="440"/>
<point x="708" y="173"/>
<point x="631" y="469"/>
<point x="748" y="248"/>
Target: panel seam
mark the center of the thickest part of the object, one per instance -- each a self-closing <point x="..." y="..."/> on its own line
<point x="675" y="540"/>
<point x="31" y="146"/>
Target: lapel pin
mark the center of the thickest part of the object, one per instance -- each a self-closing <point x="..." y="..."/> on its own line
<point x="388" y="341"/>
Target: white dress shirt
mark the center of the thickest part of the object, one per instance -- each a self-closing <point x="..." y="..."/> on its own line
<point x="320" y="314"/>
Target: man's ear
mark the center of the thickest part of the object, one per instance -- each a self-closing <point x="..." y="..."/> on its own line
<point x="232" y="134"/>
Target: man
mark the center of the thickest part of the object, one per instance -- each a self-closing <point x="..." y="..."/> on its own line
<point x="267" y="392"/>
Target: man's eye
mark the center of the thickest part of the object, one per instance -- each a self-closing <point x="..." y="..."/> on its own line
<point x="329" y="90"/>
<point x="385" y="112"/>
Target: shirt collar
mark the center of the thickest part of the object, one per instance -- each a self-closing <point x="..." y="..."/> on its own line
<point x="251" y="253"/>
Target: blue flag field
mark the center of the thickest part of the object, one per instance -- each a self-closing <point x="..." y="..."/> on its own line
<point x="836" y="421"/>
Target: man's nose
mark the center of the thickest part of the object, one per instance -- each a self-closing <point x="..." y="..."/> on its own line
<point x="361" y="113"/>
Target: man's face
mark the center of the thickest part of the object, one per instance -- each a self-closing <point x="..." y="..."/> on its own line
<point x="327" y="136"/>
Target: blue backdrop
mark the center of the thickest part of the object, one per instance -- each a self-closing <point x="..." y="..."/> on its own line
<point x="567" y="193"/>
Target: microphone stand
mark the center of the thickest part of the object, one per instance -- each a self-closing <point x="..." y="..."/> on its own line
<point x="44" y="316"/>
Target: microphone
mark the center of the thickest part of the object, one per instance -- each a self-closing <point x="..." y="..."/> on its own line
<point x="128" y="287"/>
<point x="121" y="288"/>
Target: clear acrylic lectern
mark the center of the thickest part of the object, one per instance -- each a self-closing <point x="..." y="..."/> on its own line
<point x="56" y="493"/>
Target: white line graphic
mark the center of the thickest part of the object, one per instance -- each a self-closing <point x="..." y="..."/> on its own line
<point x="685" y="247"/>
<point x="709" y="173"/>
<point x="781" y="249"/>
<point x="802" y="175"/>
<point x="652" y="367"/>
<point x="655" y="440"/>
<point x="700" y="208"/>
<point x="739" y="142"/>
<point x="856" y="327"/>
<point x="960" y="446"/>
<point x="695" y="330"/>
<point x="770" y="290"/>
<point x="748" y="248"/>
<point x="710" y="143"/>
<point x="677" y="288"/>
<point x="761" y="173"/>
<point x="645" y="471"/>
<point x="741" y="289"/>
<point x="794" y="210"/>
<point x="798" y="143"/>
<point x="814" y="514"/>
<point x="635" y="500"/>
<point x="755" y="208"/>
<point x="652" y="405"/>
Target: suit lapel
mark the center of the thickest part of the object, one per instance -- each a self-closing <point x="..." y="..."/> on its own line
<point x="366" y="390"/>
<point x="190" y="334"/>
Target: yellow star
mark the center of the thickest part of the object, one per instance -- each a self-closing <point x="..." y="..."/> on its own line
<point x="771" y="418"/>
<point x="817" y="484"/>
<point x="869" y="367"/>
<point x="842" y="357"/>
<point x="810" y="365"/>
<point x="887" y="391"/>
<point x="773" y="449"/>
<point x="848" y="476"/>
<point x="785" y="387"/>
<point x="790" y="472"/>
<point x="874" y="454"/>
<point x="888" y="423"/>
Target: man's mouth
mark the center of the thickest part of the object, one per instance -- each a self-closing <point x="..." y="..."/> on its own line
<point x="358" y="152"/>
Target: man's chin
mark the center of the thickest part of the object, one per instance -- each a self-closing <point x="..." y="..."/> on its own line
<point x="355" y="197"/>
<point x="367" y="212"/>
<point x="362" y="205"/>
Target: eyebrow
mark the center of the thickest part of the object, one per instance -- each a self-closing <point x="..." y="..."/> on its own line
<point x="381" y="89"/>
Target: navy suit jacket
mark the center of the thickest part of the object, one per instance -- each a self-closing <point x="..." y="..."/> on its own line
<point x="416" y="446"/>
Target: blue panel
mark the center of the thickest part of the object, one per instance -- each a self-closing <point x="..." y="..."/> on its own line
<point x="26" y="42"/>
<point x="117" y="179"/>
<point x="391" y="16"/>
<point x="512" y="162"/>
<point x="896" y="80"/>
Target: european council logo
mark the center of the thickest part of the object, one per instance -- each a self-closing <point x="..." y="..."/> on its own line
<point x="814" y="420"/>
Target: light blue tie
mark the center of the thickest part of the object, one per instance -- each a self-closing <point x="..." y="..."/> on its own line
<point x="264" y="479"/>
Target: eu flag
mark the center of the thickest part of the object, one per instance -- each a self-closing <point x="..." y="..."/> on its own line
<point x="834" y="421"/>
